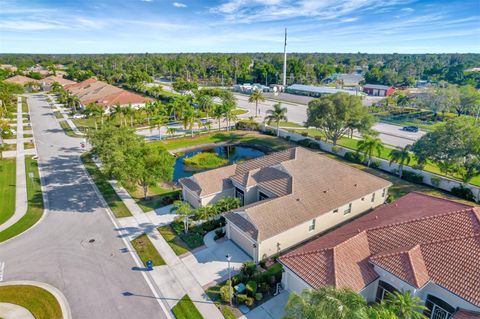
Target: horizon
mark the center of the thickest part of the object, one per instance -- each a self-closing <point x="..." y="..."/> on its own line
<point x="238" y="26"/>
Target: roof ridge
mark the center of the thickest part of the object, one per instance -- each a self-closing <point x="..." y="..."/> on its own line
<point x="395" y="253"/>
<point x="422" y="218"/>
<point x="433" y="242"/>
<point x="335" y="272"/>
<point x="412" y="265"/>
<point x="305" y="253"/>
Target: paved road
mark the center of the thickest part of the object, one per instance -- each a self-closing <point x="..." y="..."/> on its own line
<point x="97" y="278"/>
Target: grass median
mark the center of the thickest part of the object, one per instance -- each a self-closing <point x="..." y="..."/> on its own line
<point x="41" y="303"/>
<point x="116" y="205"/>
<point x="185" y="309"/>
<point x="35" y="202"/>
<point x="7" y="189"/>
<point x="146" y="251"/>
<point x="67" y="129"/>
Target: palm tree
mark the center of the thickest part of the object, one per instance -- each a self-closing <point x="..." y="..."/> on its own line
<point x="401" y="156"/>
<point x="255" y="97"/>
<point x="73" y="101"/>
<point x="116" y="112"/>
<point x="183" y="209"/>
<point x="159" y="121"/>
<point x="205" y="102"/>
<point x="189" y="118"/>
<point x="405" y="306"/>
<point x="276" y="115"/>
<point x="94" y="110"/>
<point x="56" y="87"/>
<point x="368" y="146"/>
<point x="171" y="131"/>
<point x="218" y="113"/>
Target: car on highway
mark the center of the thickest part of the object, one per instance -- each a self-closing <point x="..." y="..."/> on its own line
<point x="410" y="128"/>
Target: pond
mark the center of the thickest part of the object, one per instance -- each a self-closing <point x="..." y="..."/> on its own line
<point x="232" y="153"/>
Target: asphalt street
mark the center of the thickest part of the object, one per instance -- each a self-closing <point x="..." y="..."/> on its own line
<point x="76" y="247"/>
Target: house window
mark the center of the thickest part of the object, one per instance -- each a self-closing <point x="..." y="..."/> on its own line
<point x="437" y="308"/>
<point x="311" y="227"/>
<point x="384" y="290"/>
<point x="335" y="211"/>
<point x="383" y="192"/>
<point x="348" y="210"/>
<point x="262" y="196"/>
<point x="239" y="194"/>
<point x="373" y="197"/>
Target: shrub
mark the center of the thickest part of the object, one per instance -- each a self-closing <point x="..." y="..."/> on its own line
<point x="375" y="164"/>
<point x="248" y="269"/>
<point x="317" y="138"/>
<point x="241" y="298"/>
<point x="270" y="132"/>
<point x="335" y="149"/>
<point x="258" y="296"/>
<point x="219" y="233"/>
<point x="309" y="143"/>
<point x="249" y="302"/>
<point x="263" y="263"/>
<point x="236" y="280"/>
<point x="304" y="133"/>
<point x="263" y="287"/>
<point x="463" y="192"/>
<point x="251" y="288"/>
<point x="412" y="177"/>
<point x="228" y="313"/>
<point x="226" y="292"/>
<point x="354" y="157"/>
<point x="247" y="125"/>
<point x="435" y="180"/>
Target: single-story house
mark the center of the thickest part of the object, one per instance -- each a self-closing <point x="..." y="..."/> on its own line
<point x="49" y="80"/>
<point x="286" y="197"/>
<point x="317" y="91"/>
<point x="424" y="244"/>
<point x="378" y="90"/>
<point x="21" y="80"/>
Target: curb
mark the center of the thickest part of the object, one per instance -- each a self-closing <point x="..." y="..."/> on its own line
<point x="62" y="300"/>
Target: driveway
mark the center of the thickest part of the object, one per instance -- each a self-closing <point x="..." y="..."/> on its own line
<point x="209" y="264"/>
<point x="272" y="309"/>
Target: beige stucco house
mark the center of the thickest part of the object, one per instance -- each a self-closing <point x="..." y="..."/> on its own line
<point x="287" y="197"/>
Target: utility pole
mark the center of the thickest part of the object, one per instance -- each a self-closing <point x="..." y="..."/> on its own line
<point x="285" y="62"/>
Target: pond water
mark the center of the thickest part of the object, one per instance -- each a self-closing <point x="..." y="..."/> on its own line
<point x="232" y="153"/>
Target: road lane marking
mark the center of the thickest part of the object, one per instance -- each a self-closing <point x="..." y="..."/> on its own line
<point x="2" y="270"/>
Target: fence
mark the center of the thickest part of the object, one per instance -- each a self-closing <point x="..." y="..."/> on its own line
<point x="431" y="179"/>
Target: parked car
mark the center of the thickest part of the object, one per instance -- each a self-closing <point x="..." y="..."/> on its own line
<point x="410" y="128"/>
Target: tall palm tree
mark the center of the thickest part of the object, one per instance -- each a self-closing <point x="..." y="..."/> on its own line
<point x="218" y="113"/>
<point x="368" y="146"/>
<point x="255" y="97"/>
<point x="183" y="210"/>
<point x="405" y="306"/>
<point x="171" y="131"/>
<point x="276" y="115"/>
<point x="206" y="104"/>
<point x="73" y="101"/>
<point x="94" y="110"/>
<point x="401" y="156"/>
<point x="116" y="112"/>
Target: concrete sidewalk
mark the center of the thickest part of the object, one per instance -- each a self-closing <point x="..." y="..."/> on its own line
<point x="175" y="274"/>
<point x="21" y="199"/>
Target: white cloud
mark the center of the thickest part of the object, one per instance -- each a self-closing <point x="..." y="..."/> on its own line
<point x="179" y="5"/>
<point x="407" y="10"/>
<point x="350" y="19"/>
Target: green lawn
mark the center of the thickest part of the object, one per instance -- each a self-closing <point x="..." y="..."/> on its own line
<point x="28" y="145"/>
<point x="240" y="112"/>
<point x="27" y="135"/>
<point x="10" y="147"/>
<point x="67" y="129"/>
<point x="175" y="242"/>
<point x="289" y="125"/>
<point x="146" y="251"/>
<point x="157" y="197"/>
<point x="41" y="303"/>
<point x="7" y="189"/>
<point x="35" y="203"/>
<point x="24" y="105"/>
<point x="205" y="160"/>
<point x="270" y="142"/>
<point x="116" y="205"/>
<point x="58" y="115"/>
<point x="185" y="309"/>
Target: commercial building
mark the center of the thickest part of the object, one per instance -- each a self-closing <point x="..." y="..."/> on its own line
<point x="427" y="245"/>
<point x="317" y="91"/>
<point x="287" y="197"/>
<point x="378" y="90"/>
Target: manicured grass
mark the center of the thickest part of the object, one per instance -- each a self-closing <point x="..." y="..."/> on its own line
<point x="228" y="313"/>
<point x="58" y="115"/>
<point x="27" y="135"/>
<point x="67" y="129"/>
<point x="175" y="242"/>
<point x="41" y="303"/>
<point x="185" y="309"/>
<point x="24" y="105"/>
<point x="205" y="160"/>
<point x="7" y="189"/>
<point x="10" y="147"/>
<point x="290" y="125"/>
<point x="28" y="145"/>
<point x="240" y="111"/>
<point x="146" y="251"/>
<point x="27" y="127"/>
<point x="270" y="142"/>
<point x="35" y="202"/>
<point x="157" y="197"/>
<point x="116" y="205"/>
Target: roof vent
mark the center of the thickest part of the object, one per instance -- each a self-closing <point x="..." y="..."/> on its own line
<point x="376" y="217"/>
<point x="355" y="184"/>
<point x="298" y="199"/>
<point x="325" y="191"/>
<point x="358" y="229"/>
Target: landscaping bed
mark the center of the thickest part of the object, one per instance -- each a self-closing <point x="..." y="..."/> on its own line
<point x="146" y="251"/>
<point x="7" y="188"/>
<point x="41" y="303"/>
<point x="116" y="205"/>
<point x="35" y="203"/>
<point x="185" y="309"/>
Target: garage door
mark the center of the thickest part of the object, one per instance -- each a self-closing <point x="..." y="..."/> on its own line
<point x="240" y="240"/>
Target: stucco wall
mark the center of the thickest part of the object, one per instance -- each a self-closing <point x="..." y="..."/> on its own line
<point x="323" y="222"/>
<point x="212" y="199"/>
<point x="191" y="198"/>
<point x="291" y="282"/>
<point x="445" y="183"/>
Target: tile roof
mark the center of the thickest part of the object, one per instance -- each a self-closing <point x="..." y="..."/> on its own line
<point x="305" y="183"/>
<point x="418" y="238"/>
<point x="465" y="314"/>
<point x="60" y="80"/>
<point x="20" y="79"/>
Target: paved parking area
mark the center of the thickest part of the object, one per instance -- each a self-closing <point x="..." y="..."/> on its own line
<point x="209" y="264"/>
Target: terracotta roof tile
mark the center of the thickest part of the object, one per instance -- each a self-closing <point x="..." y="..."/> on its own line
<point x="465" y="314"/>
<point x="20" y="79"/>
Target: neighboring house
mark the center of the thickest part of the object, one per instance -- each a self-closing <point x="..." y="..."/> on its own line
<point x="287" y="197"/>
<point x="21" y="80"/>
<point x="8" y="67"/>
<point x="49" y="80"/>
<point x="95" y="91"/>
<point x="425" y="244"/>
<point x="378" y="90"/>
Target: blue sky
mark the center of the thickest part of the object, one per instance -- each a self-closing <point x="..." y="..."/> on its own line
<point x="123" y="26"/>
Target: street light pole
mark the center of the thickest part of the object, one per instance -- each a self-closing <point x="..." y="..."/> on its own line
<point x="229" y="258"/>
